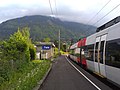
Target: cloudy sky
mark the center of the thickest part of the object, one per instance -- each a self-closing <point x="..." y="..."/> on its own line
<point x="84" y="11"/>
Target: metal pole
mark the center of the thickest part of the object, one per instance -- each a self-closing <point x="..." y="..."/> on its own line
<point x="59" y="41"/>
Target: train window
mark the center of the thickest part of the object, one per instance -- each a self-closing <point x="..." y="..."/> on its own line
<point x="88" y="52"/>
<point x="83" y="53"/>
<point x="101" y="51"/>
<point x="71" y="52"/>
<point x="77" y="52"/>
<point x="96" y="51"/>
<point x="113" y="53"/>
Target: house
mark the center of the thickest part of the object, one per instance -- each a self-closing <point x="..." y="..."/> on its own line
<point x="45" y="50"/>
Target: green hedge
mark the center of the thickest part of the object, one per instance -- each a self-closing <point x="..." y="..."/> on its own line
<point x="27" y="77"/>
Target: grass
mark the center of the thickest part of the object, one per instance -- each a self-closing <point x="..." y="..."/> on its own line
<point x="27" y="77"/>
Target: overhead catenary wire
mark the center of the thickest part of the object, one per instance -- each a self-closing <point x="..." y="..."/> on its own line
<point x="99" y="11"/>
<point x="56" y="8"/>
<point x="51" y="7"/>
<point x="97" y="14"/>
<point x="59" y="34"/>
<point x="106" y="14"/>
<point x="55" y="16"/>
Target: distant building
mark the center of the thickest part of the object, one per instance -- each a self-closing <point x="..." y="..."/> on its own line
<point x="45" y="50"/>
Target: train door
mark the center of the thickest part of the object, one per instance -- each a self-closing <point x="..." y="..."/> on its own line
<point x="99" y="55"/>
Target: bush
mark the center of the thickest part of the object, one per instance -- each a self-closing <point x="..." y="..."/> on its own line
<point x="1" y="80"/>
<point x="32" y="52"/>
<point x="27" y="77"/>
<point x="16" y="70"/>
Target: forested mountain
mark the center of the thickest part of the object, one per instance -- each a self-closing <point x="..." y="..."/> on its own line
<point x="45" y="26"/>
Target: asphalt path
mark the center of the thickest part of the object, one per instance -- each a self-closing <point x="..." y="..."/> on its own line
<point x="64" y="76"/>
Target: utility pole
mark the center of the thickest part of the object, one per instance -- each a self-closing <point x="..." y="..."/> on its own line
<point x="59" y="40"/>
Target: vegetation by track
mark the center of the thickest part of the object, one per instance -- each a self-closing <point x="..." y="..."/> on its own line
<point x="18" y="68"/>
<point x="27" y="77"/>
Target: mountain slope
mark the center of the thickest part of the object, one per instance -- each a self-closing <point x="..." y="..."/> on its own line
<point x="44" y="26"/>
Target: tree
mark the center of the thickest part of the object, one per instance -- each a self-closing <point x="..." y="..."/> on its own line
<point x="46" y="40"/>
<point x="19" y="46"/>
<point x="32" y="50"/>
<point x="56" y="43"/>
<point x="15" y="52"/>
<point x="14" y="47"/>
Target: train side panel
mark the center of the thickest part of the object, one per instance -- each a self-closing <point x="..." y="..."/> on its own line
<point x="90" y="61"/>
<point x="90" y="65"/>
<point x="113" y="54"/>
<point x="75" y="55"/>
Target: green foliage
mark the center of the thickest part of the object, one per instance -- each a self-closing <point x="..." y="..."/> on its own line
<point x="56" y="53"/>
<point x="32" y="52"/>
<point x="16" y="48"/>
<point x="15" y="52"/>
<point x="46" y="39"/>
<point x="17" y="72"/>
<point x="37" y="61"/>
<point x="25" y="33"/>
<point x="27" y="77"/>
<point x="42" y="27"/>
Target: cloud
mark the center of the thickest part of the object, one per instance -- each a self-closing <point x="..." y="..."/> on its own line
<point x="70" y="10"/>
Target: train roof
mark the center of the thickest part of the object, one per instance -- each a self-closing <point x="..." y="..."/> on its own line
<point x="78" y="44"/>
<point x="108" y="24"/>
<point x="74" y="46"/>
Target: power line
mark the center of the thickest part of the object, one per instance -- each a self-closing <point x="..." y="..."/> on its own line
<point x="55" y="15"/>
<point x="107" y="14"/>
<point x="59" y="34"/>
<point x="56" y="8"/>
<point x="51" y="7"/>
<point x="99" y="11"/>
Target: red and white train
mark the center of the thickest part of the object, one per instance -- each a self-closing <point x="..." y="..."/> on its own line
<point x="100" y="52"/>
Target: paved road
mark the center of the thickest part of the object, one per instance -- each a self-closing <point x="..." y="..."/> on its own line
<point x="64" y="77"/>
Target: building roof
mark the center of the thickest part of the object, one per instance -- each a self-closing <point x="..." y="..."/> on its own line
<point x="45" y="43"/>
